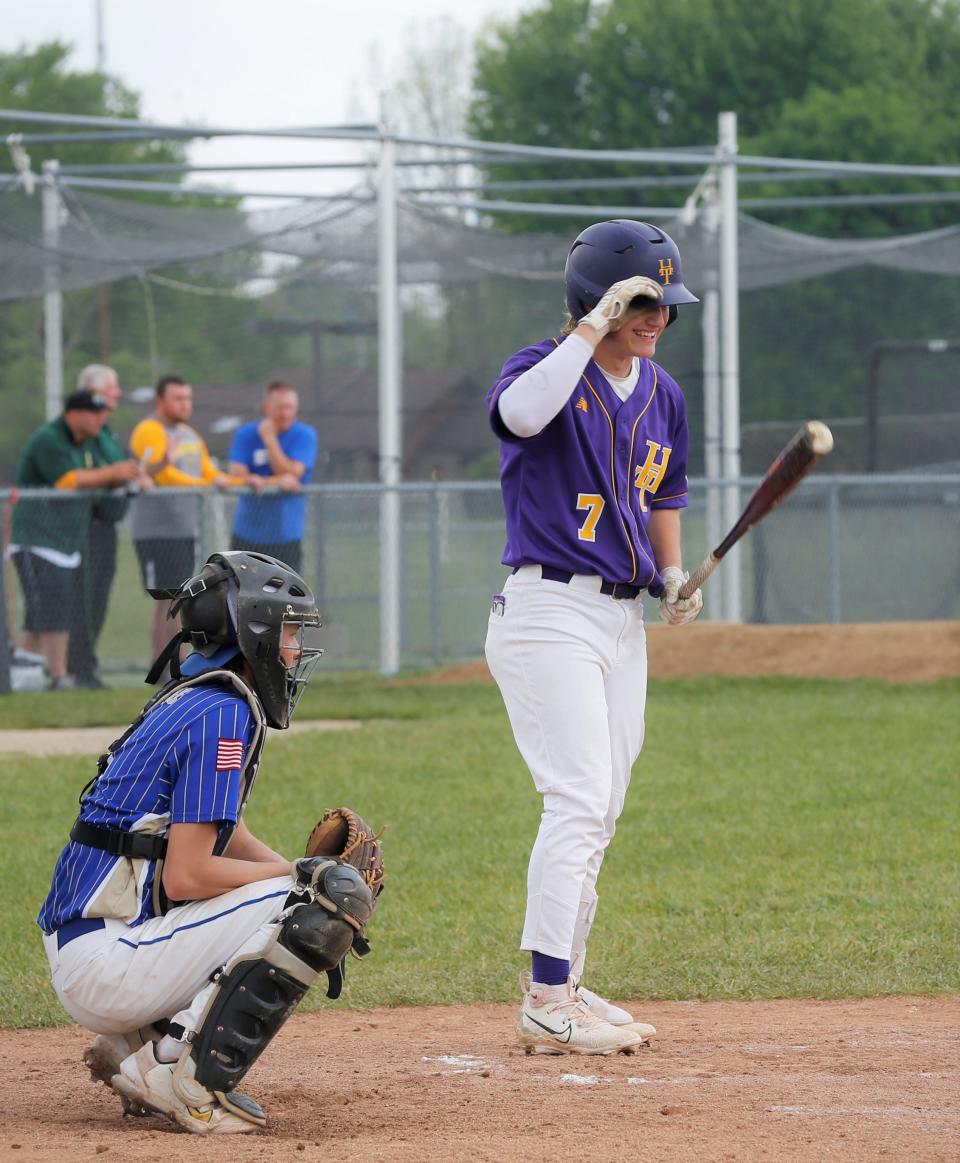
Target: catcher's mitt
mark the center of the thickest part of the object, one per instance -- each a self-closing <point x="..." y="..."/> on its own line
<point x="345" y="836"/>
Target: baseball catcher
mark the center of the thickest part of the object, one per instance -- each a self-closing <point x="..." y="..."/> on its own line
<point x="172" y="932"/>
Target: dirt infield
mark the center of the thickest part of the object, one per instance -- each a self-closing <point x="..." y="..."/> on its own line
<point x="796" y="1079"/>
<point x="898" y="651"/>
<point x="857" y="1081"/>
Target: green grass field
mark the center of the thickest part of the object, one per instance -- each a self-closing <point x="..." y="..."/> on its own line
<point x="783" y="837"/>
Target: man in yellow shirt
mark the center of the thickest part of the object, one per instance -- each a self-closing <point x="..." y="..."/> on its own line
<point x="165" y="524"/>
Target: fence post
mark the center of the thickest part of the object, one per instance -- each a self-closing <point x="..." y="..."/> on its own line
<point x="436" y="598"/>
<point x="6" y="646"/>
<point x="759" y="558"/>
<point x="833" y="532"/>
<point x="202" y="529"/>
<point x="320" y="549"/>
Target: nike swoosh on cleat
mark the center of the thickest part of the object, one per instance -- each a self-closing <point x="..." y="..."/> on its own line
<point x="203" y="1116"/>
<point x="561" y="1035"/>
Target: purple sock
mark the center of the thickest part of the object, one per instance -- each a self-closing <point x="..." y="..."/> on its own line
<point x="549" y="970"/>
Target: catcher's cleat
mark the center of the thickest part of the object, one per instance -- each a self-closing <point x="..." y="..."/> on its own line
<point x="103" y="1058"/>
<point x="169" y="1088"/>
<point x="614" y="1014"/>
<point x="554" y="1020"/>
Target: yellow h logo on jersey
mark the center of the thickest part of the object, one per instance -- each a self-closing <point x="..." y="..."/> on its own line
<point x="582" y="404"/>
<point x="665" y="270"/>
<point x="649" y="476"/>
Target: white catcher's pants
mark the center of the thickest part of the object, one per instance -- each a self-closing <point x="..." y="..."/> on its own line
<point x="571" y="664"/>
<point x="118" y="979"/>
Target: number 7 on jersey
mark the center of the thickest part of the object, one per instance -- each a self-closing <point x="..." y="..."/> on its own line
<point x="593" y="504"/>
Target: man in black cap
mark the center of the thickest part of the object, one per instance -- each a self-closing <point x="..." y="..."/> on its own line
<point x="49" y="533"/>
<point x="99" y="556"/>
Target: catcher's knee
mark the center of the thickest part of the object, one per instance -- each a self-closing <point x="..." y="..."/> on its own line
<point x="318" y="939"/>
<point x="337" y="887"/>
<point x="256" y="994"/>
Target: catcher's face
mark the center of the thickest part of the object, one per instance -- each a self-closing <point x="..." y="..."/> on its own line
<point x="299" y="653"/>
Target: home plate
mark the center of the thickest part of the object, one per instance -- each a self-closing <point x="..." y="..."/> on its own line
<point x="459" y="1063"/>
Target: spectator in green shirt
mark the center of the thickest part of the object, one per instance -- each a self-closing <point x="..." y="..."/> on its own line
<point x="49" y="534"/>
<point x="99" y="556"/>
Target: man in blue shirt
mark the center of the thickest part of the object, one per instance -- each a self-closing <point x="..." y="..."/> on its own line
<point x="281" y="451"/>
<point x="172" y="932"/>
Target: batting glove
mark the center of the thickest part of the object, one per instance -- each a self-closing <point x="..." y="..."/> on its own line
<point x="612" y="309"/>
<point x="674" y="610"/>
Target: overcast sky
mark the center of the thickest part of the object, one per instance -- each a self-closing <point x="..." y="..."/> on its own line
<point x="247" y="62"/>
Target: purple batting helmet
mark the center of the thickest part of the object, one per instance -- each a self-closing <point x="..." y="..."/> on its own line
<point x="607" y="252"/>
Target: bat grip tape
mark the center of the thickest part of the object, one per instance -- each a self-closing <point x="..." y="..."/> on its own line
<point x="699" y="576"/>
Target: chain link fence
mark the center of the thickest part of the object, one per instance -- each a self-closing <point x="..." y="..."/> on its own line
<point x="860" y="548"/>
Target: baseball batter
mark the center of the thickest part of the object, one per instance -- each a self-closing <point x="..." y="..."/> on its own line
<point x="593" y="463"/>
<point x="172" y="932"/>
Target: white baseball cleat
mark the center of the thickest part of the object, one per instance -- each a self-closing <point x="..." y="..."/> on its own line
<point x="169" y="1088"/>
<point x="554" y="1020"/>
<point x="614" y="1014"/>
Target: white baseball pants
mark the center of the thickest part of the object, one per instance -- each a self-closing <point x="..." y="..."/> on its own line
<point x="571" y="664"/>
<point x="118" y="979"/>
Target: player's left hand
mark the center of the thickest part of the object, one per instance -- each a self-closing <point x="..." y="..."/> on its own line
<point x="674" y="610"/>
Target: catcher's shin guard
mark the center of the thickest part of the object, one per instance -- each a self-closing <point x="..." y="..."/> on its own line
<point x="257" y="994"/>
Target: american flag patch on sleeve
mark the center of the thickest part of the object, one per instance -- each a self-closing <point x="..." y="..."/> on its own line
<point x="229" y="754"/>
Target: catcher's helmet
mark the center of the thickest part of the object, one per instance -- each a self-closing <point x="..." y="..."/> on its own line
<point x="607" y="252"/>
<point x="264" y="609"/>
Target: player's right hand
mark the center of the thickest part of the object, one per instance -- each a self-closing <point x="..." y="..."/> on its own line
<point x="611" y="311"/>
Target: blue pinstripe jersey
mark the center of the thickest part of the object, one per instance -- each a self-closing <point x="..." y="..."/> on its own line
<point x="181" y="765"/>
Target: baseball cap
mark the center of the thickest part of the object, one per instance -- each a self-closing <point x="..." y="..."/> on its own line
<point x="83" y="400"/>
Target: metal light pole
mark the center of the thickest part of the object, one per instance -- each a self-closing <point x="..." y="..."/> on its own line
<point x="389" y="391"/>
<point x="52" y="298"/>
<point x="101" y="39"/>
<point x="730" y="354"/>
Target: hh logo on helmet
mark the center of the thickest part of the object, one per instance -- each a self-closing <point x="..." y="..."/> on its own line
<point x="665" y="270"/>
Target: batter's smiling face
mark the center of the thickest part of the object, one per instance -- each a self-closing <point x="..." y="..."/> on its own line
<point x="638" y="335"/>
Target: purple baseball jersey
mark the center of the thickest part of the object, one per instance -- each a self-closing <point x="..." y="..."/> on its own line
<point x="578" y="495"/>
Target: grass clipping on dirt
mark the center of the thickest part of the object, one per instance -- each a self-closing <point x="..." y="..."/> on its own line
<point x="782" y="837"/>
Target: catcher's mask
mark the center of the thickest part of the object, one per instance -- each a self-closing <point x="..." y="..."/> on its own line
<point x="261" y="608"/>
<point x="607" y="252"/>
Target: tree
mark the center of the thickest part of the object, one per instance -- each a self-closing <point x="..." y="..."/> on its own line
<point x="139" y="327"/>
<point x="865" y="80"/>
<point x="40" y="80"/>
<point x="870" y="79"/>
